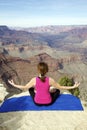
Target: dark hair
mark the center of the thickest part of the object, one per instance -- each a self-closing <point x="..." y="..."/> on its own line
<point x="43" y="69"/>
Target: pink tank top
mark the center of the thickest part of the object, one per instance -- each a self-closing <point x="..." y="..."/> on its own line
<point x="42" y="95"/>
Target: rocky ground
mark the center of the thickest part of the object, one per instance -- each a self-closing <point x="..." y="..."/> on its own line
<point x="48" y="120"/>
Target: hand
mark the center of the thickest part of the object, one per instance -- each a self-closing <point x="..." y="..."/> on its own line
<point x="11" y="82"/>
<point x="76" y="84"/>
<point x="53" y="90"/>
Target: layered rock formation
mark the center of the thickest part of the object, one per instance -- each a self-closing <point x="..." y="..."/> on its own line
<point x="54" y="45"/>
<point x="22" y="70"/>
<point x="65" y="38"/>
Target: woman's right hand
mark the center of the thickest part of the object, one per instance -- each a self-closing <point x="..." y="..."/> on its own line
<point x="76" y="84"/>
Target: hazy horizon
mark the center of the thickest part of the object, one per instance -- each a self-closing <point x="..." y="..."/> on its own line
<point x="38" y="26"/>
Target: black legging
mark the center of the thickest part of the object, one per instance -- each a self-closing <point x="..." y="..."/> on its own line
<point x="54" y="96"/>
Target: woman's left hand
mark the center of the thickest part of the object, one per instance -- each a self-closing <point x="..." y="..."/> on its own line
<point x="11" y="82"/>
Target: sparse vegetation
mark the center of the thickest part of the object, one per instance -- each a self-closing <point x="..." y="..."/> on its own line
<point x="65" y="81"/>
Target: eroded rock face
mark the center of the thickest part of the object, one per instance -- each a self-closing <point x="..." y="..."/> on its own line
<point x="23" y="70"/>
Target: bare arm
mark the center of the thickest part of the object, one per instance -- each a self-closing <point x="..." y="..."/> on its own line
<point x="27" y="86"/>
<point x="55" y="84"/>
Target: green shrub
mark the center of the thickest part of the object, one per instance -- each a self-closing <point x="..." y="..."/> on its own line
<point x="65" y="81"/>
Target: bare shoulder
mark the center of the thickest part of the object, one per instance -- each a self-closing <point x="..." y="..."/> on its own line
<point x="33" y="80"/>
<point x="51" y="81"/>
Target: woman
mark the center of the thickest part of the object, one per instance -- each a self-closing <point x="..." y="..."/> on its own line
<point x="39" y="87"/>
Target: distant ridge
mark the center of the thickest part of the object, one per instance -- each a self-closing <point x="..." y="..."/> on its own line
<point x="53" y="36"/>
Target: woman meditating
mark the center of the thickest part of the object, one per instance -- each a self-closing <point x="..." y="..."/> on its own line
<point x="39" y="87"/>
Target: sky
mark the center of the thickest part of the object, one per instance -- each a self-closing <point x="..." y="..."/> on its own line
<point x="33" y="13"/>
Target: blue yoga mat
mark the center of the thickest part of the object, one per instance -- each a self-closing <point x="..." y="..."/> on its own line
<point x="65" y="102"/>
